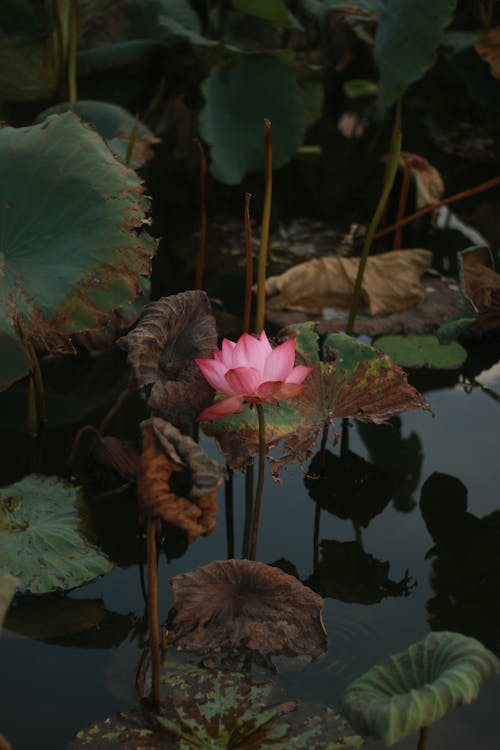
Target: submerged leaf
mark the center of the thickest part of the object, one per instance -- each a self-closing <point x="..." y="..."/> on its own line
<point x="240" y="606"/>
<point x="422" y="351"/>
<point x="41" y="536"/>
<point x="418" y="686"/>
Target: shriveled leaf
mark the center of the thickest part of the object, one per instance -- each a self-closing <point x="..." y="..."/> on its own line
<point x="232" y="123"/>
<point x="488" y="49"/>
<point x="8" y="586"/>
<point x="391" y="282"/>
<point x="416" y="687"/>
<point x="161" y="349"/>
<point x="422" y="351"/>
<point x="42" y="541"/>
<point x="118" y="455"/>
<point x="238" y="606"/>
<point x="73" y="247"/>
<point x="429" y="183"/>
<point x="354" y="381"/>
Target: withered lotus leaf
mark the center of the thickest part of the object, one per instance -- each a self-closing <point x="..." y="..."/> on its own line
<point x="240" y="606"/>
<point x="161" y="349"/>
<point x="118" y="455"/>
<point x="166" y="451"/>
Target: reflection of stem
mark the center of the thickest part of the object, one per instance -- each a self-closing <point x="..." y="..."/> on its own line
<point x="390" y="174"/>
<point x="260" y="313"/>
<point x="344" y="438"/>
<point x="245" y="551"/>
<point x="357" y="533"/>
<point x="200" y="261"/>
<point x="249" y="266"/>
<point x="260" y="480"/>
<point x="488" y="391"/>
<point x="422" y="740"/>
<point x="322" y="450"/>
<point x="229" y="515"/>
<point x="403" y="200"/>
<point x="72" y="47"/>
<point x="153" y="612"/>
<point x="132" y="141"/>
<point x="317" y="518"/>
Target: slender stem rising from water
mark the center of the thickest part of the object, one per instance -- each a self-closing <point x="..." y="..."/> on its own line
<point x="260" y="481"/>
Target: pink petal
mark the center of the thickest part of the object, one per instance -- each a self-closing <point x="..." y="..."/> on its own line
<point x="279" y="363"/>
<point x="269" y="388"/>
<point x="242" y="380"/>
<point x="289" y="390"/>
<point x="227" y="352"/>
<point x="249" y="352"/>
<point x="214" y="372"/>
<point x="298" y="374"/>
<point x="218" y="355"/>
<point x="264" y="342"/>
<point x="223" y="408"/>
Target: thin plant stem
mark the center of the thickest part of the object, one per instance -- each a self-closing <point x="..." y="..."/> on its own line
<point x="113" y="411"/>
<point x="154" y="641"/>
<point x="76" y="442"/>
<point x="403" y="202"/>
<point x="35" y="374"/>
<point x="390" y="174"/>
<point x="422" y="739"/>
<point x="245" y="549"/>
<point x="72" y="49"/>
<point x="249" y="265"/>
<point x="317" y="520"/>
<point x="31" y="412"/>
<point x="229" y="515"/>
<point x="132" y="141"/>
<point x="200" y="261"/>
<point x="445" y="202"/>
<point x="322" y="450"/>
<point x="260" y="481"/>
<point x="260" y="313"/>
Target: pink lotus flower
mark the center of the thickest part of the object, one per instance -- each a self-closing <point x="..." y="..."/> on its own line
<point x="250" y="371"/>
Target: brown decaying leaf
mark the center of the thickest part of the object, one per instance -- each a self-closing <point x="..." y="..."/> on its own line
<point x="161" y="348"/>
<point x="118" y="455"/>
<point x="482" y="288"/>
<point x="391" y="282"/>
<point x="166" y="451"/>
<point x="488" y="48"/>
<point x="429" y="183"/>
<point x="235" y="606"/>
<point x="4" y="745"/>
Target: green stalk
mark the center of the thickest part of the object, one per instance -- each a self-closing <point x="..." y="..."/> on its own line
<point x="229" y="514"/>
<point x="132" y="141"/>
<point x="72" y="48"/>
<point x="260" y="313"/>
<point x="37" y="387"/>
<point x="245" y="548"/>
<point x="200" y="261"/>
<point x="260" y="481"/>
<point x="422" y="740"/>
<point x="390" y="174"/>
<point x="249" y="265"/>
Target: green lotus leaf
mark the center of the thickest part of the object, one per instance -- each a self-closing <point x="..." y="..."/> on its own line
<point x="274" y="11"/>
<point x="355" y="380"/>
<point x="43" y="542"/>
<point x="8" y="586"/>
<point x="237" y="100"/>
<point x="417" y="687"/>
<point x="422" y="351"/>
<point x="73" y="247"/>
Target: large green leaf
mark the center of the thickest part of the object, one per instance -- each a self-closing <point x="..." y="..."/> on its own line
<point x="237" y="100"/>
<point x="42" y="541"/>
<point x="355" y="380"/>
<point x="417" y="687"/>
<point x="274" y="11"/>
<point x="406" y="41"/>
<point x="422" y="351"/>
<point x="8" y="586"/>
<point x="73" y="247"/>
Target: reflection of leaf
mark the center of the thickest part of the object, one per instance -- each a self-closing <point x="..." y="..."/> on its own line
<point x="422" y="351"/>
<point x="8" y="586"/>
<point x="348" y="486"/>
<point x="40" y="538"/>
<point x="354" y="381"/>
<point x="347" y="573"/>
<point x="236" y="606"/>
<point x="391" y="283"/>
<point x="415" y="688"/>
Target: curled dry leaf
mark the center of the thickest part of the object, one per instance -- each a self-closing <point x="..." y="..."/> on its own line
<point x="165" y="451"/>
<point x="118" y="455"/>
<point x="391" y="282"/>
<point x="429" y="183"/>
<point x="161" y="348"/>
<point x="488" y="48"/>
<point x="481" y="283"/>
<point x="235" y="606"/>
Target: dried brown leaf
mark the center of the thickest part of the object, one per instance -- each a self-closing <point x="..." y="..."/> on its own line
<point x="488" y="48"/>
<point x="234" y="606"/>
<point x="118" y="455"/>
<point x="429" y="183"/>
<point x="481" y="285"/>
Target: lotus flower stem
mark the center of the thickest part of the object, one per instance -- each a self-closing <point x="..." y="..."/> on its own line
<point x="152" y="524"/>
<point x="422" y="739"/>
<point x="131" y="387"/>
<point x="249" y="265"/>
<point x="200" y="261"/>
<point x="37" y="390"/>
<point x="132" y="141"/>
<point x="264" y="234"/>
<point x="260" y="481"/>
<point x="72" y="48"/>
<point x="229" y="515"/>
<point x="245" y="550"/>
<point x="390" y="174"/>
<point x="403" y="201"/>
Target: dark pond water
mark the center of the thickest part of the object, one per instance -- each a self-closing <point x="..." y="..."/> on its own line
<point x="403" y="566"/>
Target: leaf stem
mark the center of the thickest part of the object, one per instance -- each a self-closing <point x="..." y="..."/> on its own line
<point x="72" y="49"/>
<point x="260" y="481"/>
<point x="154" y="643"/>
<point x="245" y="549"/>
<point x="403" y="201"/>
<point x="260" y="313"/>
<point x="422" y="739"/>
<point x="200" y="261"/>
<point x="390" y="174"/>
<point x="249" y="265"/>
<point x="229" y="514"/>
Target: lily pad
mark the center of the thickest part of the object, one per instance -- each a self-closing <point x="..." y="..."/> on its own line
<point x="73" y="245"/>
<point x="237" y="100"/>
<point x="355" y="380"/>
<point x="418" y="686"/>
<point x="422" y="351"/>
<point x="42" y="541"/>
<point x="8" y="586"/>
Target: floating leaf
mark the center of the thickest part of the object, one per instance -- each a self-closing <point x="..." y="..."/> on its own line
<point x="354" y="381"/>
<point x="422" y="351"/>
<point x="237" y="100"/>
<point x="418" y="686"/>
<point x="42" y="520"/>
<point x="240" y="606"/>
<point x="8" y="586"/>
<point x="73" y="249"/>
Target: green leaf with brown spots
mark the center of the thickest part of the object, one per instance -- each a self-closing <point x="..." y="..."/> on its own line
<point x="353" y="380"/>
<point x="72" y="241"/>
<point x="44" y="533"/>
